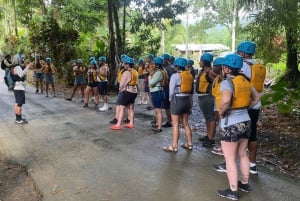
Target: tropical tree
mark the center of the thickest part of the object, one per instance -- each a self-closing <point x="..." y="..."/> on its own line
<point x="275" y="28"/>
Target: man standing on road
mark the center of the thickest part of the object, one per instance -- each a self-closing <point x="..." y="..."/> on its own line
<point x="19" y="76"/>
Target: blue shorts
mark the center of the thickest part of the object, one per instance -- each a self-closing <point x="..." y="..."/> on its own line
<point x="49" y="79"/>
<point x="39" y="76"/>
<point x="146" y="86"/>
<point x="158" y="98"/>
<point x="119" y="98"/>
<point x="79" y="80"/>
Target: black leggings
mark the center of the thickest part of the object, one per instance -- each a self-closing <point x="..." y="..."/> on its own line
<point x="254" y="114"/>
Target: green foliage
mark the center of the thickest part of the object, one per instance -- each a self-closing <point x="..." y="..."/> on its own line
<point x="285" y="99"/>
<point x="80" y="15"/>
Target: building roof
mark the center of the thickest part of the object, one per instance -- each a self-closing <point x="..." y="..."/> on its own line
<point x="201" y="47"/>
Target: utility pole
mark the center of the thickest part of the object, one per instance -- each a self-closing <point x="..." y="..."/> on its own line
<point x="187" y="32"/>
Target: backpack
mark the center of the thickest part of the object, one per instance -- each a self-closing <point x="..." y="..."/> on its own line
<point x="14" y="76"/>
<point x="3" y="66"/>
<point x="258" y="75"/>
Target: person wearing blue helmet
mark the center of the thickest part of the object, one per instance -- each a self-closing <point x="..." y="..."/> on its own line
<point x="80" y="80"/>
<point x="38" y="74"/>
<point x="181" y="86"/>
<point x="172" y="59"/>
<point x="170" y="70"/>
<point x="246" y="49"/>
<point x="190" y="67"/>
<point x="92" y="84"/>
<point x="121" y="70"/>
<point x="128" y="89"/>
<point x="156" y="82"/>
<point x="49" y="70"/>
<point x="205" y="99"/>
<point x="236" y="96"/>
<point x="103" y="71"/>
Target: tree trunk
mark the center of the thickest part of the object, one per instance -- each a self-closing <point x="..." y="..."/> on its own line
<point x="112" y="47"/>
<point x="292" y="73"/>
<point x="124" y="26"/>
<point x="233" y="26"/>
<point x="119" y="49"/>
<point x="15" y="18"/>
<point x="43" y="7"/>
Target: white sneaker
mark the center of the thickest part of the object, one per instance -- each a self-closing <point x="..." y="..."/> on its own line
<point x="104" y="107"/>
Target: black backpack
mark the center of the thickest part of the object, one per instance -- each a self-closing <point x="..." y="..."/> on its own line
<point x="3" y="66"/>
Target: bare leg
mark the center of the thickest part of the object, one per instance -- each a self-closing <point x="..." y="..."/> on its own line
<point x="229" y="150"/>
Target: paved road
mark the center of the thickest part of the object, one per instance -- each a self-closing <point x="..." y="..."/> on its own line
<point x="72" y="155"/>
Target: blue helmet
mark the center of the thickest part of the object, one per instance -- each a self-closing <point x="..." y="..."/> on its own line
<point x="218" y="61"/>
<point x="247" y="47"/>
<point x="233" y="61"/>
<point x="190" y="62"/>
<point x="92" y="58"/>
<point x="48" y="59"/>
<point x="207" y="57"/>
<point x="79" y="61"/>
<point x="123" y="57"/>
<point x="165" y="56"/>
<point x="181" y="62"/>
<point x="140" y="61"/>
<point x="150" y="56"/>
<point x="129" y="60"/>
<point x="93" y="62"/>
<point x="158" y="60"/>
<point x="103" y="59"/>
<point x="172" y="58"/>
<point x="37" y="56"/>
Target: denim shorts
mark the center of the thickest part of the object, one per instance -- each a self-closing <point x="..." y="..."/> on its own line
<point x="158" y="98"/>
<point x="79" y="80"/>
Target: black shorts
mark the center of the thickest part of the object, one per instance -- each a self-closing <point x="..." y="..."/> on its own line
<point x="19" y="97"/>
<point x="180" y="105"/>
<point x="103" y="88"/>
<point x="92" y="85"/>
<point x="166" y="103"/>
<point x="127" y="98"/>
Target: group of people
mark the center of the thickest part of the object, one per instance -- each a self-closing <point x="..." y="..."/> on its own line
<point x="229" y="90"/>
<point x="228" y="95"/>
<point x="95" y="78"/>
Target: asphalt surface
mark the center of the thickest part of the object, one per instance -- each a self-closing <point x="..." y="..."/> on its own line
<point x="72" y="155"/>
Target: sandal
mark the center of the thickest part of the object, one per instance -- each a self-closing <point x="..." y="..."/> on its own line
<point x="187" y="146"/>
<point x="170" y="148"/>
